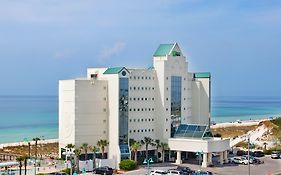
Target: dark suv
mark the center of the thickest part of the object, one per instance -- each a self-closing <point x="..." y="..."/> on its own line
<point x="184" y="170"/>
<point x="104" y="170"/>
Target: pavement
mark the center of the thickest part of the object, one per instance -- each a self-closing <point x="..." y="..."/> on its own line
<point x="270" y="167"/>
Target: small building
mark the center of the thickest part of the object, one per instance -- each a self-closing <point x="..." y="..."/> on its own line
<point x="119" y="103"/>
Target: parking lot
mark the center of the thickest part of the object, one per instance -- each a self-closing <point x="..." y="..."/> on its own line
<point x="270" y="166"/>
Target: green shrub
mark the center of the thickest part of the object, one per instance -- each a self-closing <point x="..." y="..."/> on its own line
<point x="67" y="171"/>
<point x="217" y="135"/>
<point x="127" y="165"/>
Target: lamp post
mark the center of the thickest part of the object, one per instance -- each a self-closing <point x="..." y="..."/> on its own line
<point x="199" y="153"/>
<point x="69" y="153"/>
<point x="147" y="161"/>
<point x="249" y="171"/>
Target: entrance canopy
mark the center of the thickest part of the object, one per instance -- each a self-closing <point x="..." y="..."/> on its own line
<point x="193" y="131"/>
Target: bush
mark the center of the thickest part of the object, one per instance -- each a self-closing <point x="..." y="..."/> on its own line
<point x="67" y="171"/>
<point x="217" y="135"/>
<point x="127" y="165"/>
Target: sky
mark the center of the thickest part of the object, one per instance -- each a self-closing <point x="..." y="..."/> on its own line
<point x="43" y="41"/>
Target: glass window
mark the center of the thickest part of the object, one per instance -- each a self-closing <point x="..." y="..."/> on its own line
<point x="123" y="110"/>
<point x="176" y="85"/>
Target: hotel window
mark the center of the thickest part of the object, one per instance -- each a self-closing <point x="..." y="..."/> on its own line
<point x="138" y="109"/>
<point x="141" y="88"/>
<point x="130" y="120"/>
<point x="145" y="130"/>
<point x="134" y="120"/>
<point x="148" y="109"/>
<point x="138" y="99"/>
<point x="104" y="88"/>
<point x="104" y="132"/>
<point x="152" y="98"/>
<point x="142" y="78"/>
<point x="138" y="120"/>
<point x="149" y="119"/>
<point x="167" y="109"/>
<point x="145" y="99"/>
<point x="134" y="130"/>
<point x="130" y="77"/>
<point x="142" y="99"/>
<point x="148" y="130"/>
<point x="149" y="88"/>
<point x="167" y="99"/>
<point x="134" y="88"/>
<point x="104" y="110"/>
<point x="152" y="130"/>
<point x="166" y="119"/>
<point x="145" y="109"/>
<point x="166" y="130"/>
<point x="134" y="109"/>
<point x="145" y="88"/>
<point x="141" y="109"/>
<point x="183" y="108"/>
<point x="145" y="120"/>
<point x="104" y="121"/>
<point x="184" y="89"/>
<point x="167" y="78"/>
<point x="142" y="130"/>
<point x="138" y="77"/>
<point x="142" y="120"/>
<point x="104" y="99"/>
<point x="134" y="77"/>
<point x="138" y="130"/>
<point x="152" y="109"/>
<point x="138" y="88"/>
<point x="149" y="78"/>
<point x="130" y="131"/>
<point x="152" y="119"/>
<point x="146" y="78"/>
<point x="183" y="98"/>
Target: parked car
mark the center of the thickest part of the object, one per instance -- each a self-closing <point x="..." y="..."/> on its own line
<point x="251" y="158"/>
<point x="258" y="154"/>
<point x="258" y="161"/>
<point x="240" y="153"/>
<point x="157" y="172"/>
<point x="104" y="170"/>
<point x="202" y="173"/>
<point x="239" y="160"/>
<point x="58" y="173"/>
<point x="184" y="170"/>
<point x="275" y="155"/>
<point x="173" y="172"/>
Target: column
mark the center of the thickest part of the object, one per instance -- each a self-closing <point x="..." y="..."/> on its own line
<point x="186" y="155"/>
<point x="221" y="158"/>
<point x="225" y="156"/>
<point x="210" y="157"/>
<point x="169" y="155"/>
<point x="178" y="160"/>
<point x="205" y="159"/>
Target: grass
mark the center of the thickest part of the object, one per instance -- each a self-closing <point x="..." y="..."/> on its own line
<point x="46" y="150"/>
<point x="276" y="130"/>
<point x="233" y="131"/>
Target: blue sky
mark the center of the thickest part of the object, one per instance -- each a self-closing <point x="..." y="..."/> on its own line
<point x="44" y="41"/>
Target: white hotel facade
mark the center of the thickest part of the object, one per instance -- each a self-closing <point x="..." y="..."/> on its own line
<point x="165" y="102"/>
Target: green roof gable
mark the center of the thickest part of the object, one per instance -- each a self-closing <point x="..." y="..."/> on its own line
<point x="202" y="75"/>
<point x="113" y="70"/>
<point x="163" y="50"/>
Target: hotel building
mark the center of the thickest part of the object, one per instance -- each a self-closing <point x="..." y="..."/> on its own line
<point x="164" y="101"/>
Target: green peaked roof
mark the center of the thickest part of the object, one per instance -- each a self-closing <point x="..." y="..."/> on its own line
<point x="113" y="70"/>
<point x="202" y="75"/>
<point x="163" y="50"/>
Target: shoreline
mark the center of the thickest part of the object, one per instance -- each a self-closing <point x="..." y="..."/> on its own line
<point x="46" y="141"/>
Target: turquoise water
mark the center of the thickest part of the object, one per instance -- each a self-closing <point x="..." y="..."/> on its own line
<point x="37" y="116"/>
<point x="28" y="117"/>
<point x="229" y="109"/>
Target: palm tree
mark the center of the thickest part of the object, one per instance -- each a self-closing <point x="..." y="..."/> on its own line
<point x="77" y="153"/>
<point x="20" y="159"/>
<point x="25" y="163"/>
<point x="157" y="145"/>
<point x="164" y="146"/>
<point x="94" y="149"/>
<point x="85" y="148"/>
<point x="147" y="141"/>
<point x="36" y="139"/>
<point x="102" y="144"/>
<point x="135" y="147"/>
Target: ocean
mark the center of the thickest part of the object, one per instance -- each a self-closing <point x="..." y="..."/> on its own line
<point x="26" y="117"/>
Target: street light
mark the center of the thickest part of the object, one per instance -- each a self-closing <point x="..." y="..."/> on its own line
<point x="69" y="153"/>
<point x="249" y="171"/>
<point x="147" y="161"/>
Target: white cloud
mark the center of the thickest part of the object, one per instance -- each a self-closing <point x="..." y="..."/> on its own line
<point x="111" y="51"/>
